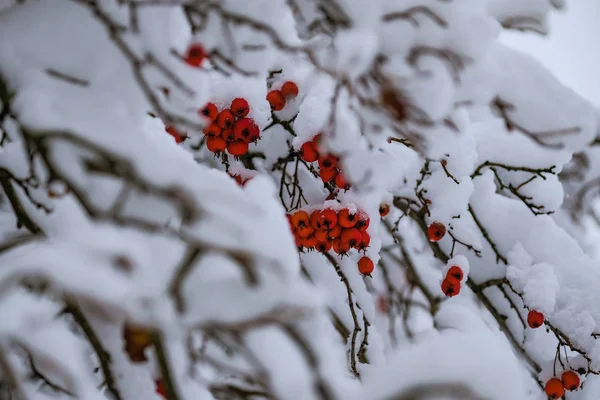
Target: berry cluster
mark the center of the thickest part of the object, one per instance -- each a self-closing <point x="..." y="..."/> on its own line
<point x="329" y="168"/>
<point x="230" y="129"/>
<point x="328" y="229"/>
<point x="555" y="388"/>
<point x="452" y="281"/>
<point x="278" y="98"/>
<point x="436" y="231"/>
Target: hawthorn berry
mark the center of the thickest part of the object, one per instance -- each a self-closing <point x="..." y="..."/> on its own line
<point x="328" y="162"/>
<point x="237" y="148"/>
<point x="216" y="144"/>
<point x="436" y="231"/>
<point x="328" y="175"/>
<point x="347" y="219"/>
<point x="300" y="218"/>
<point x="179" y="137"/>
<point x="321" y="235"/>
<point x="315" y="219"/>
<point x="225" y="119"/>
<point x="365" y="266"/>
<point x="351" y="236"/>
<point x="308" y="152"/>
<point x="212" y="130"/>
<point x="455" y="272"/>
<point x="324" y="246"/>
<point x="341" y="182"/>
<point x="195" y="55"/>
<point x="210" y="111"/>
<point x="535" y="319"/>
<point x="310" y="242"/>
<point x="316" y="142"/>
<point x="289" y="90"/>
<point x="276" y="100"/>
<point x="554" y="389"/>
<point x="243" y="129"/>
<point x="228" y="134"/>
<point x="342" y="248"/>
<point x="450" y="287"/>
<point x="328" y="218"/>
<point x="363" y="221"/>
<point x="335" y="232"/>
<point x="364" y="242"/>
<point x="570" y="380"/>
<point x="239" y="107"/>
<point x="384" y="209"/>
<point x="305" y="231"/>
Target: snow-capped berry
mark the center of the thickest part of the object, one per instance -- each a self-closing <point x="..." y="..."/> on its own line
<point x="436" y="231"/>
<point x="316" y="142"/>
<point x="243" y="129"/>
<point x="239" y="107"/>
<point x="328" y="175"/>
<point x="351" y="236"/>
<point x="365" y="266"/>
<point x="276" y="100"/>
<point x="384" y="209"/>
<point x="535" y="319"/>
<point x="328" y="218"/>
<point x="289" y="90"/>
<point x="209" y="111"/>
<point x="178" y="136"/>
<point x="455" y="272"/>
<point x="237" y="148"/>
<point x="346" y="218"/>
<point x="225" y="119"/>
<point x="570" y="380"/>
<point x="450" y="287"/>
<point x="216" y="144"/>
<point x="363" y="222"/>
<point x="328" y="162"/>
<point x="308" y="152"/>
<point x="195" y="55"/>
<point x="554" y="389"/>
<point x="212" y="130"/>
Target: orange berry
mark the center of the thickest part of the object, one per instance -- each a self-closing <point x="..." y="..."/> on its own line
<point x="210" y="111"/>
<point x="328" y="162"/>
<point x="228" y="134"/>
<point x="195" y="55"/>
<point x="244" y="129"/>
<point x="310" y="242"/>
<point x="328" y="175"/>
<point x="365" y="266"/>
<point x="225" y="119"/>
<point x="455" y="272"/>
<point x="321" y="235"/>
<point x="237" y="148"/>
<point x="328" y="218"/>
<point x="450" y="287"/>
<point x="276" y="100"/>
<point x="340" y="247"/>
<point x="308" y="153"/>
<point x="300" y="218"/>
<point x="351" y="236"/>
<point x="212" y="130"/>
<point x="384" y="209"/>
<point x="324" y="246"/>
<point x="347" y="219"/>
<point x="239" y="107"/>
<point x="216" y="144"/>
<point x="305" y="231"/>
<point x="364" y="242"/>
<point x="363" y="222"/>
<point x="535" y="319"/>
<point x="315" y="219"/>
<point x="178" y="136"/>
<point x="436" y="231"/>
<point x="341" y="182"/>
<point x="554" y="389"/>
<point x="570" y="380"/>
<point x="335" y="232"/>
<point x="289" y="90"/>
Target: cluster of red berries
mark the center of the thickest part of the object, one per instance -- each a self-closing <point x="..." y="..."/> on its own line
<point x="436" y="231"/>
<point x="329" y="168"/>
<point x="230" y="129"/>
<point x="278" y="98"/>
<point x="555" y="388"/>
<point x="535" y="319"/>
<point x="452" y="281"/>
<point x="328" y="229"/>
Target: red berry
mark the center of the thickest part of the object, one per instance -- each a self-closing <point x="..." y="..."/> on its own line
<point x="225" y="119"/>
<point x="341" y="182"/>
<point x="161" y="388"/>
<point x="570" y="380"/>
<point x="228" y="134"/>
<point x="289" y="90"/>
<point x="365" y="266"/>
<point x="328" y="175"/>
<point x="364" y="242"/>
<point x="340" y="247"/>
<point x="315" y="219"/>
<point x="347" y="219"/>
<point x="240" y="107"/>
<point x="178" y="136"/>
<point x="324" y="247"/>
<point x="535" y="319"/>
<point x="300" y="218"/>
<point x="450" y="287"/>
<point x="276" y="100"/>
<point x="455" y="272"/>
<point x="384" y="209"/>
<point x="308" y="152"/>
<point x="243" y="129"/>
<point x="436" y="231"/>
<point x="328" y="218"/>
<point x="316" y="142"/>
<point x="321" y="235"/>
<point x="554" y="389"/>
<point x="195" y="55"/>
<point x="351" y="236"/>
<point x="328" y="162"/>
<point x="363" y="222"/>
<point x="216" y="144"/>
<point x="237" y="148"/>
<point x="335" y="232"/>
<point x="212" y="130"/>
<point x="210" y="111"/>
